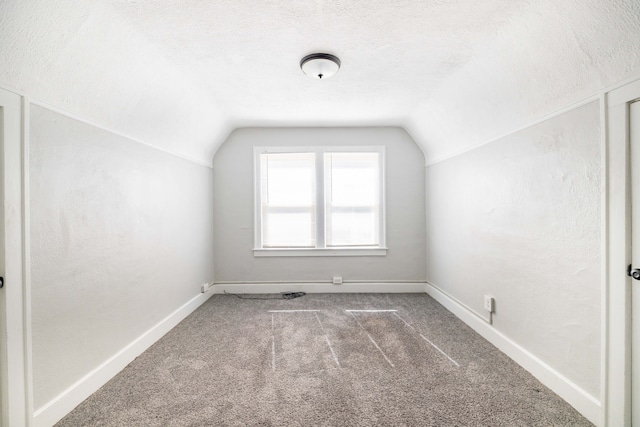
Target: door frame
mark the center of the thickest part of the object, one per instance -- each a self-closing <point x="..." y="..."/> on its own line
<point x="13" y="362"/>
<point x="617" y="395"/>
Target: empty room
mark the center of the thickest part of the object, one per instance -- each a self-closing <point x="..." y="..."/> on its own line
<point x="319" y="213"/>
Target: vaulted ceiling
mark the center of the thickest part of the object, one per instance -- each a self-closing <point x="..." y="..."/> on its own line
<point x="182" y="74"/>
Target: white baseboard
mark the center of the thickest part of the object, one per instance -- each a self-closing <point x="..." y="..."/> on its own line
<point x="582" y="401"/>
<point x="316" y="288"/>
<point x="61" y="405"/>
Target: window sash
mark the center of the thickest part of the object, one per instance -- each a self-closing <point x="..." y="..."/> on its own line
<point x="270" y="212"/>
<point x="331" y="230"/>
<point x="352" y="189"/>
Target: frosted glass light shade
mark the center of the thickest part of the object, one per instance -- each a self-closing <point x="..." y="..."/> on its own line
<point x="320" y="65"/>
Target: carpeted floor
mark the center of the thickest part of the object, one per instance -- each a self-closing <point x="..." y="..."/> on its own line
<point x="339" y="360"/>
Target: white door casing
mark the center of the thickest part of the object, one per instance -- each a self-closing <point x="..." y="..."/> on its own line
<point x="617" y="397"/>
<point x="13" y="388"/>
<point x="634" y="150"/>
<point x="3" y="300"/>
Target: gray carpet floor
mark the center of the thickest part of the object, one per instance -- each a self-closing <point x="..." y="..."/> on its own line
<point x="323" y="360"/>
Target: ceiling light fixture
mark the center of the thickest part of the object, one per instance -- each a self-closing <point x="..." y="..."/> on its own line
<point x="320" y="65"/>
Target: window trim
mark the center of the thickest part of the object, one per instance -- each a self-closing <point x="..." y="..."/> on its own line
<point x="320" y="249"/>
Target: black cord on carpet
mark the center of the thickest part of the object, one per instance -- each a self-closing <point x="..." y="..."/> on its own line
<point x="284" y="295"/>
<point x="292" y="295"/>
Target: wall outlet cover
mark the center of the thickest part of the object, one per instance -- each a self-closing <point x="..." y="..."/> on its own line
<point x="488" y="303"/>
<point x="204" y="287"/>
<point x="337" y="280"/>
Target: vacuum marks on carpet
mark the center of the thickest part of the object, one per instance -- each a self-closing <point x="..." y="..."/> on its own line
<point x="300" y="343"/>
<point x="313" y="340"/>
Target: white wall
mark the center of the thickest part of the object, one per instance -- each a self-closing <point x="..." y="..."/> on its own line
<point x="520" y="219"/>
<point x="233" y="209"/>
<point x="121" y="237"/>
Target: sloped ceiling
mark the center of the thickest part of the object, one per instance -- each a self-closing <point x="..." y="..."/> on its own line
<point x="182" y="74"/>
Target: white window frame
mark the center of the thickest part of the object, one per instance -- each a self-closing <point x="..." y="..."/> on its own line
<point x="320" y="249"/>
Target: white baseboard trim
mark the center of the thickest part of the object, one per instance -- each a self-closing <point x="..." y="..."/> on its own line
<point x="318" y="288"/>
<point x="64" y="403"/>
<point x="582" y="401"/>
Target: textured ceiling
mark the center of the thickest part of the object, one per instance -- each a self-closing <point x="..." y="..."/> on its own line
<point x="181" y="74"/>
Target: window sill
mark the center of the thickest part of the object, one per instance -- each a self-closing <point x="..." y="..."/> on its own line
<point x="320" y="252"/>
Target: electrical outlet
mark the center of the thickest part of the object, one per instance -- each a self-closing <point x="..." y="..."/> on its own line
<point x="337" y="280"/>
<point x="204" y="287"/>
<point x="489" y="303"/>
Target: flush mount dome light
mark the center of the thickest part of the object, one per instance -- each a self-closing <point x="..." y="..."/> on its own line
<point x="320" y="65"/>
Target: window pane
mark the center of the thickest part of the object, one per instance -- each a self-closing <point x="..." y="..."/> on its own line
<point x="354" y="178"/>
<point x="288" y="179"/>
<point x="288" y="229"/>
<point x="354" y="229"/>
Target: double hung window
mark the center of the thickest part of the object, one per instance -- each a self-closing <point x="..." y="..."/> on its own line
<point x="319" y="201"/>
